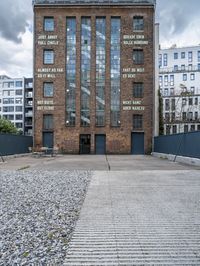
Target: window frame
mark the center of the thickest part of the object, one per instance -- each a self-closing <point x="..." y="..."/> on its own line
<point x="48" y="50"/>
<point x="44" y="95"/>
<point x="138" y="26"/>
<point x="44" y="25"/>
<point x="138" y="53"/>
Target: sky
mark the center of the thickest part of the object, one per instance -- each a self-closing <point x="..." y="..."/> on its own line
<point x="179" y="24"/>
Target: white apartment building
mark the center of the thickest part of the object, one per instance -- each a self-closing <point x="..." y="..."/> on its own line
<point x="12" y="100"/>
<point x="179" y="81"/>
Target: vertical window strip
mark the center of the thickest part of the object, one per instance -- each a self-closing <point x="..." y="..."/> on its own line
<point x="85" y="70"/>
<point x="71" y="73"/>
<point x="115" y="71"/>
<point x="100" y="70"/>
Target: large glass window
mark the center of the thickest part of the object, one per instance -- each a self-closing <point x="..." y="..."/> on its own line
<point x="49" y="24"/>
<point x="48" y="89"/>
<point x="138" y="23"/>
<point x="48" y="57"/>
<point x="18" y="83"/>
<point x="137" y="121"/>
<point x="48" y="122"/>
<point x="100" y="70"/>
<point x="115" y="71"/>
<point x="71" y="73"/>
<point x="138" y="56"/>
<point x="85" y="70"/>
<point x="138" y="89"/>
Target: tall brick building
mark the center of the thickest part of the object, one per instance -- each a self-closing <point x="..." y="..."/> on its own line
<point x="94" y="75"/>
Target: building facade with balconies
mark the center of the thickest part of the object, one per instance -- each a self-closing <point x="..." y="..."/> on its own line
<point x="94" y="75"/>
<point x="16" y="102"/>
<point x="179" y="81"/>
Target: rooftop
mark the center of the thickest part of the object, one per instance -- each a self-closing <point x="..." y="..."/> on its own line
<point x="94" y="2"/>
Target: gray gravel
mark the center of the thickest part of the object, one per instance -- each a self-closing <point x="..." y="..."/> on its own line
<point x="38" y="212"/>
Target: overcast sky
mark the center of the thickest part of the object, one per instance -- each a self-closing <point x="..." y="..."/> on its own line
<point x="179" y="24"/>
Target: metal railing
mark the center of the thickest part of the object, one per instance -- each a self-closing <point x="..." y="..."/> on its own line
<point x="193" y="68"/>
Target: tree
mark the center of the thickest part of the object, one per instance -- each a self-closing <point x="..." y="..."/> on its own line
<point x="6" y="126"/>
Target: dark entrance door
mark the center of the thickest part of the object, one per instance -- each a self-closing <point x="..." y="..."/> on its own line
<point x="48" y="139"/>
<point x="85" y="143"/>
<point x="100" y="144"/>
<point x="137" y="143"/>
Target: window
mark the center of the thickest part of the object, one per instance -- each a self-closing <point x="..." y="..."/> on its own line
<point x="7" y="109"/>
<point x="184" y="101"/>
<point x="138" y="89"/>
<point x="189" y="56"/>
<point x="168" y="130"/>
<point x="138" y="56"/>
<point x="174" y="129"/>
<point x="182" y="67"/>
<point x="8" y="101"/>
<point x="184" y="116"/>
<point x="47" y="122"/>
<point x="182" y="55"/>
<point x="9" y="117"/>
<point x="137" y="121"/>
<point x="171" y="91"/>
<point x="160" y="60"/>
<point x="190" y="67"/>
<point x="160" y="81"/>
<point x="198" y="66"/>
<point x="184" y="77"/>
<point x="172" y="80"/>
<point x="18" y="117"/>
<point x="192" y="76"/>
<point x="18" y="92"/>
<point x="18" y="108"/>
<point x="167" y="105"/>
<point x="167" y="117"/>
<point x="190" y="101"/>
<point x="48" y="89"/>
<point x="18" y="101"/>
<point x="166" y="92"/>
<point x="166" y="80"/>
<point x="49" y="24"/>
<point x="196" y="101"/>
<point x="48" y="57"/>
<point x="190" y="116"/>
<point x="18" y="84"/>
<point x="196" y="115"/>
<point x="185" y="128"/>
<point x="175" y="67"/>
<point x="192" y="128"/>
<point x="173" y="102"/>
<point x="173" y="117"/>
<point x="175" y="55"/>
<point x="138" y="23"/>
<point x="198" y="56"/>
<point x="18" y="125"/>
<point x="198" y="127"/>
<point x="192" y="90"/>
<point x="165" y="59"/>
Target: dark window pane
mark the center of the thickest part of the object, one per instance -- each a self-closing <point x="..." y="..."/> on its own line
<point x="49" y="24"/>
<point x="48" y="122"/>
<point x="137" y="121"/>
<point x="138" y="56"/>
<point x="138" y="89"/>
<point x="138" y="23"/>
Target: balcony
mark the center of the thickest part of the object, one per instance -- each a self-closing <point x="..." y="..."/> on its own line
<point x="29" y="114"/>
<point x="179" y="70"/>
<point x="29" y="95"/>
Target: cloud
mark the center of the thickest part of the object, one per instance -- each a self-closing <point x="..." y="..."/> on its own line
<point x="178" y="20"/>
<point x="15" y="16"/>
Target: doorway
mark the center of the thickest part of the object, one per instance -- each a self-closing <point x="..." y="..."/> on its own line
<point x="100" y="144"/>
<point x="137" y="143"/>
<point x="85" y="144"/>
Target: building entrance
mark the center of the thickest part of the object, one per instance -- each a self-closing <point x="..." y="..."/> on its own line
<point x="137" y="143"/>
<point x="100" y="144"/>
<point x="85" y="144"/>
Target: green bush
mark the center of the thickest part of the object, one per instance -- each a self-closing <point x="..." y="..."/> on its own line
<point x="6" y="126"/>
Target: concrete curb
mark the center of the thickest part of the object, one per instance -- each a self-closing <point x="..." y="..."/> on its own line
<point x="179" y="159"/>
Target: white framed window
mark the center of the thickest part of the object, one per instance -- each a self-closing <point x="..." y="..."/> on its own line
<point x="166" y="80"/>
<point x="190" y="57"/>
<point x="184" y="77"/>
<point x="192" y="76"/>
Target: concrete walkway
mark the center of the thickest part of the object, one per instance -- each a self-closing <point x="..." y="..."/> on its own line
<point x="139" y="218"/>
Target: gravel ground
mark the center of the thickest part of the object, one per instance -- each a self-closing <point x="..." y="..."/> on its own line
<point x="38" y="212"/>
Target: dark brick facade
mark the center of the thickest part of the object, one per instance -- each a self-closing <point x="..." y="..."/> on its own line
<point x="118" y="140"/>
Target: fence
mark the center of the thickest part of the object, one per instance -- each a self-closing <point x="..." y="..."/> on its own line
<point x="14" y="144"/>
<point x="183" y="144"/>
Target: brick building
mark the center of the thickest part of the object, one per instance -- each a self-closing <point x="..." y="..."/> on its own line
<point x="94" y="75"/>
